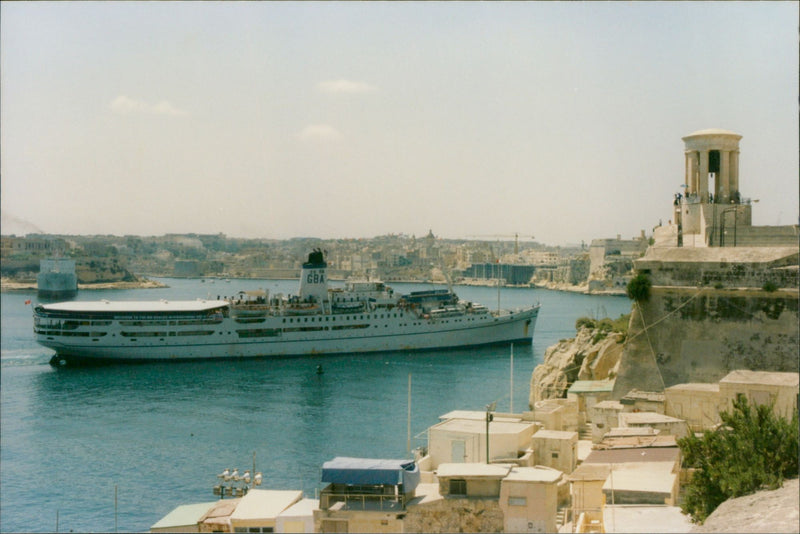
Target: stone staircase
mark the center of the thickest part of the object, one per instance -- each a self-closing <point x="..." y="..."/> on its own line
<point x="561" y="517"/>
<point x="585" y="431"/>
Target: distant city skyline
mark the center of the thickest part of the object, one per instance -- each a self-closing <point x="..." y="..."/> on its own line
<point x="559" y="120"/>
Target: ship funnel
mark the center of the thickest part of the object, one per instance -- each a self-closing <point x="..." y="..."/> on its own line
<point x="314" y="278"/>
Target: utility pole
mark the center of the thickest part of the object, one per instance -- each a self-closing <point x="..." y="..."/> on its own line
<point x="489" y="418"/>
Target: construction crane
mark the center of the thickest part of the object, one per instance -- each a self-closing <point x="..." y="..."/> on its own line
<point x="506" y="236"/>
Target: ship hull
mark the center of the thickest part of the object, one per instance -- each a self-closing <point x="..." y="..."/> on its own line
<point x="382" y="334"/>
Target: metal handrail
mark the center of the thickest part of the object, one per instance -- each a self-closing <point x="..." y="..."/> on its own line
<point x="363" y="498"/>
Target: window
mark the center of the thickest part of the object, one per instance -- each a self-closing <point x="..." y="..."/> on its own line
<point x="554" y="455"/>
<point x="458" y="486"/>
<point x="517" y="501"/>
<point x="761" y="397"/>
<point x="333" y="525"/>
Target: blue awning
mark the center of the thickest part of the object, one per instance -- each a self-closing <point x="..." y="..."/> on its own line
<point x="369" y="471"/>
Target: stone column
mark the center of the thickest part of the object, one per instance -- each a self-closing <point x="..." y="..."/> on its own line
<point x="687" y="171"/>
<point x="734" y="172"/>
<point x="691" y="172"/>
<point x="724" y="188"/>
<point x="702" y="185"/>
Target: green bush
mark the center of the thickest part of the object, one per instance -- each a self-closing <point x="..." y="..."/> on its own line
<point x="753" y="449"/>
<point x="600" y="336"/>
<point x="604" y="326"/>
<point x="770" y="286"/>
<point x="620" y="324"/>
<point x="639" y="288"/>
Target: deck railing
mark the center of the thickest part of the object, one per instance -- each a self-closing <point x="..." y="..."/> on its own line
<point x="362" y="501"/>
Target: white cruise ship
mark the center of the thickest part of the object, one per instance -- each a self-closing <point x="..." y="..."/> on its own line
<point x="363" y="317"/>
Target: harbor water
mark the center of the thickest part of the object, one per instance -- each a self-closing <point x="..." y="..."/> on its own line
<point x="117" y="447"/>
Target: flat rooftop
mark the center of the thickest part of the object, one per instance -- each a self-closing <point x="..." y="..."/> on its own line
<point x="761" y="377"/>
<point x="302" y="508"/>
<point x="555" y="434"/>
<point x="635" y="394"/>
<point x="472" y="426"/>
<point x="534" y="474"/>
<point x="590" y="472"/>
<point x="183" y="516"/>
<point x="265" y="504"/>
<point x="473" y="470"/>
<point x="632" y="455"/>
<point x="642" y="518"/>
<point x="475" y="415"/>
<point x="619" y="432"/>
<point x="646" y="418"/>
<point x="695" y="387"/>
<point x="650" y="477"/>
<point x="629" y="442"/>
<point x="608" y="405"/>
<point x="591" y="386"/>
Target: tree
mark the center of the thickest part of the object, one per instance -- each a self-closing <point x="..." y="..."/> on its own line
<point x="639" y="288"/>
<point x="752" y="449"/>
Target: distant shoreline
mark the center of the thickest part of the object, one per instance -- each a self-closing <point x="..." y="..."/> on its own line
<point x="8" y="285"/>
<point x="582" y="289"/>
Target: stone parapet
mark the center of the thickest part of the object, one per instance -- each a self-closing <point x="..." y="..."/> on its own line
<point x="734" y="267"/>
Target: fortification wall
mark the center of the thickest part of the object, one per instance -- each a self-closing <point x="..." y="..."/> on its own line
<point x="687" y="334"/>
<point x="726" y="267"/>
<point x="764" y="236"/>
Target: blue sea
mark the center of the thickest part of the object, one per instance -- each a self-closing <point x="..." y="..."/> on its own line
<point x="116" y="448"/>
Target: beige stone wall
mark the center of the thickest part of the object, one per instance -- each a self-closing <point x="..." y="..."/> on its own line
<point x="588" y="495"/>
<point x="539" y="509"/>
<point x="556" y="414"/>
<point x="357" y="521"/>
<point x="698" y="407"/>
<point x="683" y="335"/>
<point x="785" y="398"/>
<point x="561" y="454"/>
<point x="440" y="447"/>
<point x="604" y="419"/>
<point x="455" y="515"/>
<point x="476" y="487"/>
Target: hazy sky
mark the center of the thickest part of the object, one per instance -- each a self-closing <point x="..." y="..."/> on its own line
<point x="561" y="121"/>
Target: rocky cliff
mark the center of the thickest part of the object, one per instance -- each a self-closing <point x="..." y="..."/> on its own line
<point x="764" y="511"/>
<point x="102" y="270"/>
<point x="593" y="354"/>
